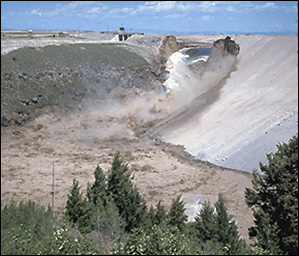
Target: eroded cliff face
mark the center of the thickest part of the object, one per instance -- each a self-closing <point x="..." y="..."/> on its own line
<point x="168" y="47"/>
<point x="225" y="47"/>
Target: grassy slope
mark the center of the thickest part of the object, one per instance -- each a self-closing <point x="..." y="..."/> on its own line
<point x="32" y="78"/>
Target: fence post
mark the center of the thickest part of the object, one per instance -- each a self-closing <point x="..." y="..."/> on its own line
<point x="53" y="189"/>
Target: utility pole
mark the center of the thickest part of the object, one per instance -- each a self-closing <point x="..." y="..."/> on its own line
<point x="53" y="189"/>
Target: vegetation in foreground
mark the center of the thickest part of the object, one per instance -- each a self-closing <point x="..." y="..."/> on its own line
<point x="112" y="218"/>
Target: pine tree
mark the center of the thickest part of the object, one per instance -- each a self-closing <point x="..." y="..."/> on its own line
<point x="79" y="210"/>
<point x="176" y="215"/>
<point x="97" y="191"/>
<point x="205" y="223"/>
<point x="85" y="224"/>
<point x="217" y="231"/>
<point x="274" y="199"/>
<point x="157" y="215"/>
<point x="106" y="220"/>
<point x="152" y="215"/>
<point x="160" y="214"/>
<point x="118" y="181"/>
<point x="227" y="233"/>
<point x="131" y="205"/>
<point x="74" y="205"/>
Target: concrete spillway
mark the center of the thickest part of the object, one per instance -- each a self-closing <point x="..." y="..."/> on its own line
<point x="241" y="120"/>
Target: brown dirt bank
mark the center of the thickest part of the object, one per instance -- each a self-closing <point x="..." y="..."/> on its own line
<point x="162" y="172"/>
<point x="78" y="140"/>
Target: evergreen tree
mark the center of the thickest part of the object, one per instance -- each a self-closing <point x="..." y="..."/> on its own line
<point x="152" y="215"/>
<point x="205" y="223"/>
<point x="176" y="216"/>
<point x="157" y="215"/>
<point x="227" y="233"/>
<point x="274" y="199"/>
<point x="118" y="180"/>
<point x="131" y="205"/>
<point x="74" y="205"/>
<point x="160" y="214"/>
<point x="85" y="224"/>
<point x="216" y="230"/>
<point x="78" y="210"/>
<point x="97" y="191"/>
<point x="106" y="220"/>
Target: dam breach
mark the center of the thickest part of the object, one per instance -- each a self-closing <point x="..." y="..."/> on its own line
<point x="233" y="109"/>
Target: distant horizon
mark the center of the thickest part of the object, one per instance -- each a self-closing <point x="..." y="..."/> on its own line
<point x="156" y="17"/>
<point x="290" y="33"/>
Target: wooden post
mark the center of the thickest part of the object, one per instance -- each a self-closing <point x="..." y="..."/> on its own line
<point x="53" y="189"/>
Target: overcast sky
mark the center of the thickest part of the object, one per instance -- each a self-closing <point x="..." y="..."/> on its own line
<point x="278" y="17"/>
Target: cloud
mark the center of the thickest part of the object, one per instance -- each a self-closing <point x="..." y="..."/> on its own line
<point x="36" y="12"/>
<point x="267" y="6"/>
<point x="124" y="10"/>
<point x="208" y="6"/>
<point x="153" y="6"/>
<point x="231" y="8"/>
<point x="253" y="6"/>
<point x="160" y="6"/>
<point x="180" y="8"/>
<point x="207" y="18"/>
<point x="95" y="10"/>
<point x="85" y="9"/>
<point x="175" y="16"/>
<point x="157" y="6"/>
<point x="203" y="11"/>
<point x="10" y="14"/>
<point x="172" y="9"/>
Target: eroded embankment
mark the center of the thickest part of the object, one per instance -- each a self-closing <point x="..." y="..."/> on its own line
<point x="240" y="117"/>
<point x="79" y="140"/>
<point x="192" y="87"/>
<point x="62" y="76"/>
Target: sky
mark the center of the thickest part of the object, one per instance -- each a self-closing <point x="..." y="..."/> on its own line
<point x="177" y="17"/>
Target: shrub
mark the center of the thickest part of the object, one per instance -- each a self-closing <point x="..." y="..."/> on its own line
<point x="159" y="240"/>
<point x="29" y="229"/>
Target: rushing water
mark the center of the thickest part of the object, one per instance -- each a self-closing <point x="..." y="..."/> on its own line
<point x="232" y="110"/>
<point x="198" y="53"/>
<point x="181" y="77"/>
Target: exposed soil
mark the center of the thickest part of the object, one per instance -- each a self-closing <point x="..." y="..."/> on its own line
<point x="76" y="106"/>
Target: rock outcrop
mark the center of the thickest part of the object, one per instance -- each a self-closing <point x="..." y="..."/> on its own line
<point x="225" y="47"/>
<point x="168" y="47"/>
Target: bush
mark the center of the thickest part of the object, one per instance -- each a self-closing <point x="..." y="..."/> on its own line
<point x="29" y="229"/>
<point x="159" y="240"/>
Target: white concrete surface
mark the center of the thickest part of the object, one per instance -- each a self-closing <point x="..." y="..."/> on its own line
<point x="236" y="119"/>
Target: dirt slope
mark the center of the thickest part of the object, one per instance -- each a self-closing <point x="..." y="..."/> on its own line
<point x="90" y="134"/>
